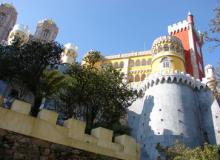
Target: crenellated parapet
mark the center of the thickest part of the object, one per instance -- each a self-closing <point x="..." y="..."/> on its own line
<point x="177" y="27"/>
<point x="169" y="44"/>
<point x="72" y="134"/>
<point x="172" y="76"/>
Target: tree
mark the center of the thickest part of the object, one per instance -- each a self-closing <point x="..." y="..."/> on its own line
<point x="25" y="66"/>
<point x="181" y="152"/>
<point x="213" y="36"/>
<point x="99" y="96"/>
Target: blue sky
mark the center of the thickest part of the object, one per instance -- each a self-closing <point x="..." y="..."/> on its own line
<point x="115" y="26"/>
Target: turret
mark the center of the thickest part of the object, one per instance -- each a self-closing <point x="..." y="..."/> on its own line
<point x="8" y="17"/>
<point x="190" y="18"/>
<point x="46" y="30"/>
<point x="210" y="77"/>
<point x="69" y="54"/>
<point x="19" y="31"/>
<point x="192" y="44"/>
<point x="167" y="55"/>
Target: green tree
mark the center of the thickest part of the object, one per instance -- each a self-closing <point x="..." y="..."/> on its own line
<point x="99" y="96"/>
<point x="213" y="35"/>
<point x="25" y="66"/>
<point x="181" y="152"/>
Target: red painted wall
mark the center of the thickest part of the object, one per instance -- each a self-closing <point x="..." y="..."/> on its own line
<point x="183" y="36"/>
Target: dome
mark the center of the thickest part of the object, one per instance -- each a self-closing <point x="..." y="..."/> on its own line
<point x="9" y="7"/>
<point x="47" y="22"/>
<point x="167" y="43"/>
<point x="21" y="28"/>
<point x="70" y="46"/>
<point x="167" y="55"/>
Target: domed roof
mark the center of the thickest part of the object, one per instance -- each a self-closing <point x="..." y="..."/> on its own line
<point x="47" y="21"/>
<point x="71" y="46"/>
<point x="22" y="28"/>
<point x="167" y="39"/>
<point x="8" y="5"/>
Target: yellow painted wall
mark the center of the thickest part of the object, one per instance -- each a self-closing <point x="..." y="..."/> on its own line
<point x="71" y="134"/>
<point x="177" y="63"/>
<point x="134" y="70"/>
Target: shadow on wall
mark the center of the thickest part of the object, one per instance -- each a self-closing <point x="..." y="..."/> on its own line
<point x="149" y="138"/>
<point x="206" y="100"/>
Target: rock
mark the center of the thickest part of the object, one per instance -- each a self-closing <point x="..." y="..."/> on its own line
<point x="19" y="156"/>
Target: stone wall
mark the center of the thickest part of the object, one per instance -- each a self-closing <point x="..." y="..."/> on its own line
<point x="15" y="146"/>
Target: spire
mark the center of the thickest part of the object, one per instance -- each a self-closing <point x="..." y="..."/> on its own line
<point x="189" y="13"/>
<point x="190" y="18"/>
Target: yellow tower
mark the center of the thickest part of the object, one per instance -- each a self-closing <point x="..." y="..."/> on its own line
<point x="167" y="55"/>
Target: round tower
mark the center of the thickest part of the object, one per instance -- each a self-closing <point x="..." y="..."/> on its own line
<point x="168" y="56"/>
<point x="8" y="17"/>
<point x="19" y="31"/>
<point x="69" y="54"/>
<point x="47" y="30"/>
<point x="170" y="109"/>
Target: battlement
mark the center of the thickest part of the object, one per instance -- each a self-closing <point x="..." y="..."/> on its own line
<point x="72" y="134"/>
<point x="127" y="55"/>
<point x="177" y="27"/>
<point x="171" y="76"/>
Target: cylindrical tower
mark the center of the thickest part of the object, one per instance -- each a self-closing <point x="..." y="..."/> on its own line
<point x="170" y="113"/>
<point x="46" y="30"/>
<point x="69" y="54"/>
<point x="19" y="31"/>
<point x="8" y="17"/>
<point x="170" y="108"/>
<point x="167" y="52"/>
<point x="210" y="77"/>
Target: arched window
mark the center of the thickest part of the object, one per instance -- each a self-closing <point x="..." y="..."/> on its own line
<point x="172" y="47"/>
<point x="2" y="18"/>
<point x="116" y="64"/>
<point x="143" y="77"/>
<point x="46" y="33"/>
<point x="166" y="48"/>
<point x="130" y="78"/>
<point x="137" y="78"/>
<point x="121" y="65"/>
<point x="137" y="63"/>
<point x="149" y="62"/>
<point x="159" y="49"/>
<point x="166" y="62"/>
<point x="143" y="62"/>
<point x="131" y="63"/>
<point x="178" y="50"/>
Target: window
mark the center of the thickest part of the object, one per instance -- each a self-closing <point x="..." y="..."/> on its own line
<point x="131" y="78"/>
<point x="137" y="63"/>
<point x="131" y="63"/>
<point x="178" y="50"/>
<point x="143" y="77"/>
<point x="46" y="33"/>
<point x="166" y="48"/>
<point x="116" y="64"/>
<point x="144" y="62"/>
<point x="2" y="18"/>
<point x="172" y="47"/>
<point x="149" y="62"/>
<point x="137" y="78"/>
<point x="166" y="63"/>
<point x="159" y="49"/>
<point x="121" y="65"/>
